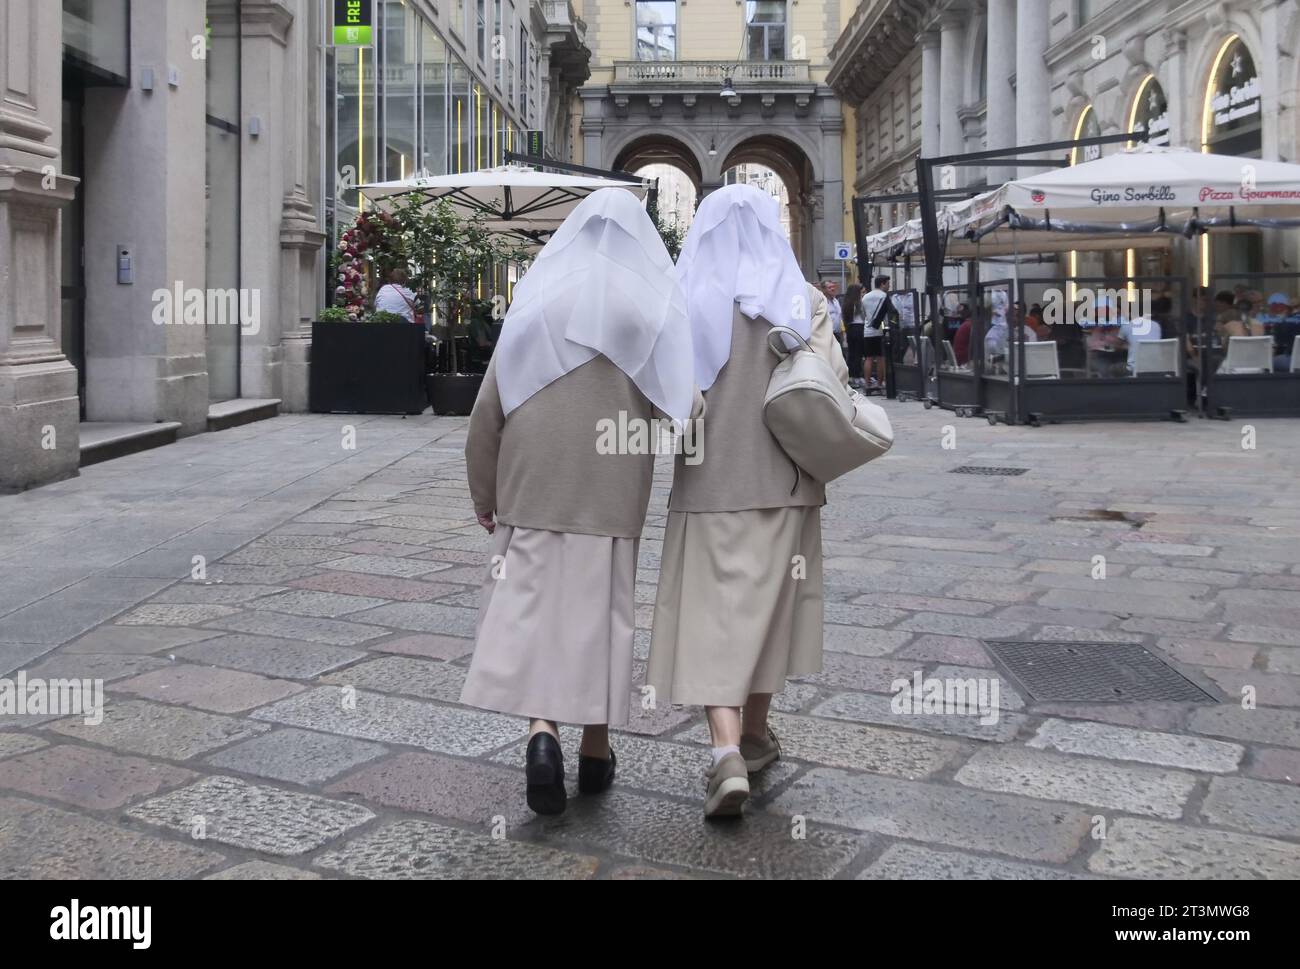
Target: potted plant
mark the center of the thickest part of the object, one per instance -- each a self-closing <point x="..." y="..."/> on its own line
<point x="367" y="363"/>
<point x="450" y="257"/>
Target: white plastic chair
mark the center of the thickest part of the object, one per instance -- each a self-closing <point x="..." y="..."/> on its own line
<point x="1041" y="361"/>
<point x="1156" y="356"/>
<point x="950" y="358"/>
<point x="1248" y="354"/>
<point x="1295" y="355"/>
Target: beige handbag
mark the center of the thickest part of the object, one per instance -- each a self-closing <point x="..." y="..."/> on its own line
<point x="825" y="428"/>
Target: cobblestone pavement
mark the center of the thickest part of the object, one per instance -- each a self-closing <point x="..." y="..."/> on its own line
<point x="293" y="714"/>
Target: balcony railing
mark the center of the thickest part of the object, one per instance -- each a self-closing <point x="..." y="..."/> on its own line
<point x="711" y="72"/>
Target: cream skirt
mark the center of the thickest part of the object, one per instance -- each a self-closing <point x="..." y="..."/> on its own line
<point x="555" y="627"/>
<point x="739" y="606"/>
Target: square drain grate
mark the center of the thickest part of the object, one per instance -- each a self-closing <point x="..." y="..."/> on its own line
<point x="980" y="469"/>
<point x="1093" y="673"/>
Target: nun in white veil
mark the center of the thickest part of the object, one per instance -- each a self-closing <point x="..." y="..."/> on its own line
<point x="739" y="606"/>
<point x="597" y="338"/>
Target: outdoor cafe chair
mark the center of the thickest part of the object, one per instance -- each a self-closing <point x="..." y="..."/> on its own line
<point x="1156" y="356"/>
<point x="1295" y="355"/>
<point x="1248" y="354"/>
<point x="1041" y="361"/>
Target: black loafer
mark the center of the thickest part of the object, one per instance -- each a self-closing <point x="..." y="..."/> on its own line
<point x="596" y="774"/>
<point x="545" y="771"/>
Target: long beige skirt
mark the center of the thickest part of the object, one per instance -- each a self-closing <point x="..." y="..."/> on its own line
<point x="739" y="607"/>
<point x="556" y="626"/>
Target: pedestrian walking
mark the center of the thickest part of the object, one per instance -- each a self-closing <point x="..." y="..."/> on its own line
<point x="597" y="337"/>
<point x="739" y="606"/>
<point x="854" y="328"/>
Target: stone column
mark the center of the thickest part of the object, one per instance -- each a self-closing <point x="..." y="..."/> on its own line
<point x="39" y="439"/>
<point x="279" y="232"/>
<point x="146" y="189"/>
<point x="832" y="132"/>
<point x="593" y="128"/>
<point x="952" y="43"/>
<point x="1033" y="85"/>
<point x="930" y="103"/>
<point x="1000" y="120"/>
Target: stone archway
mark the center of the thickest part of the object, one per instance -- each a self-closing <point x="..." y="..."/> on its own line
<point x="794" y="168"/>
<point x="661" y="149"/>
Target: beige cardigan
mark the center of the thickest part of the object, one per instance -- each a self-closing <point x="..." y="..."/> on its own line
<point x="542" y="467"/>
<point x="743" y="467"/>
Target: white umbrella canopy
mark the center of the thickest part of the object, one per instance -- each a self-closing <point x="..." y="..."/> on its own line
<point x="515" y="199"/>
<point x="1133" y="186"/>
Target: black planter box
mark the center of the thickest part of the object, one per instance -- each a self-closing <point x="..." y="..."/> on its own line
<point x="453" y="395"/>
<point x="367" y="368"/>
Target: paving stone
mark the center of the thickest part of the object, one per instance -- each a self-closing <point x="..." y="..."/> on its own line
<point x="1283" y="660"/>
<point x="1207" y="652"/>
<point x="794" y="697"/>
<point x="378" y="548"/>
<point x="281" y="556"/>
<point x="208" y="688"/>
<point x="270" y="656"/>
<point x="955" y="650"/>
<point x="1148" y="716"/>
<point x="875" y="708"/>
<point x="1262" y="725"/>
<point x="1053" y="777"/>
<point x="227" y="573"/>
<point x="173" y="615"/>
<point x="855" y="746"/>
<point x="850" y="615"/>
<point x="425" y="850"/>
<point x="1178" y="574"/>
<point x="1274" y="635"/>
<point x="213" y="593"/>
<point x="14" y="656"/>
<point x="665" y="832"/>
<point x="1268" y="689"/>
<point x="358" y="584"/>
<point x="844" y="671"/>
<point x="1269" y="764"/>
<point x="1253" y="805"/>
<point x="296" y="756"/>
<point x="1144" y="746"/>
<point x="862" y="642"/>
<point x="1116" y="600"/>
<point x="474" y="793"/>
<point x="86" y="778"/>
<point x="310" y="628"/>
<point x="1172" y="627"/>
<point x="645" y="873"/>
<point x="13" y="744"/>
<point x="306" y="602"/>
<point x="918" y="603"/>
<point x="95" y="666"/>
<point x="1008" y="697"/>
<point x="48" y="843"/>
<point x="916" y="862"/>
<point x="384" y="565"/>
<point x="396" y="720"/>
<point x="279" y="539"/>
<point x="406" y="537"/>
<point x="159" y="730"/>
<point x="656" y="721"/>
<point x="1139" y="848"/>
<point x="1036" y="615"/>
<point x="972" y="627"/>
<point x="1017" y="826"/>
<point x="1072" y="634"/>
<point x="429" y="679"/>
<point x="990" y="592"/>
<point x="136" y="639"/>
<point x="253" y="871"/>
<point x="428" y="646"/>
<point x="424" y="617"/>
<point x="251" y="816"/>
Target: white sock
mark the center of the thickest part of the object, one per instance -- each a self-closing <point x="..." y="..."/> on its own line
<point x="720" y="752"/>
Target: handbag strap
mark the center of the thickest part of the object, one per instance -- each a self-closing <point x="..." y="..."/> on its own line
<point x="779" y="348"/>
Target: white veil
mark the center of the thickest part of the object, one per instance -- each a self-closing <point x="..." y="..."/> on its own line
<point x="603" y="284"/>
<point x="736" y="252"/>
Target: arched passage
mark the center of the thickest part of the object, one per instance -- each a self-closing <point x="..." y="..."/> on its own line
<point x="793" y="168"/>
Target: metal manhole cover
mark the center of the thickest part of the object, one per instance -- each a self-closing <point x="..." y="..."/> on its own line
<point x="1093" y="673"/>
<point x="979" y="469"/>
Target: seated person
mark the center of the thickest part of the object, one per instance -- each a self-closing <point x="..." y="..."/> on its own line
<point x="395" y="297"/>
<point x="1232" y="318"/>
<point x="1035" y="321"/>
<point x="961" y="340"/>
<point x="1284" y="325"/>
<point x="1133" y="332"/>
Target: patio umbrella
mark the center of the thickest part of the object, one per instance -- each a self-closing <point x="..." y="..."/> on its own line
<point x="517" y="200"/>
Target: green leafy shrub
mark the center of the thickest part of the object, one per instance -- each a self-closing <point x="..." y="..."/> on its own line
<point x="383" y="316"/>
<point x="335" y="314"/>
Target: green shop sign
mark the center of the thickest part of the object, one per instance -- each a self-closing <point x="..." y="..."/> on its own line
<point x="354" y="22"/>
